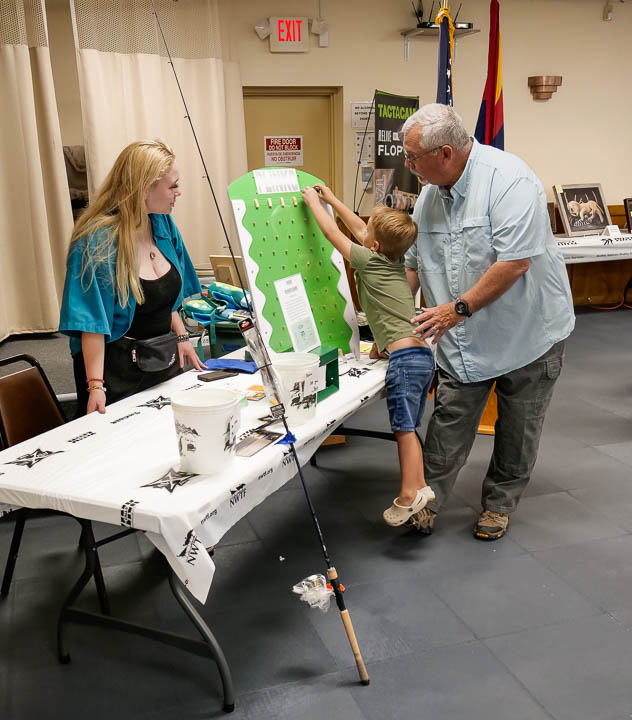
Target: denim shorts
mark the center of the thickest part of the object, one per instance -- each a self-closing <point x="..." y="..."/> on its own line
<point x="408" y="379"/>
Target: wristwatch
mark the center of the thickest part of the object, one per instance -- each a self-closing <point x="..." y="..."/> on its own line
<point x="462" y="308"/>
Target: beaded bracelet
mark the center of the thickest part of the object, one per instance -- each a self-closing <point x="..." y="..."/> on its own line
<point x="100" y="380"/>
<point x="183" y="338"/>
<point x="96" y="387"/>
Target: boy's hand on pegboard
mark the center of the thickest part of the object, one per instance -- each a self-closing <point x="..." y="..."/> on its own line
<point x="325" y="193"/>
<point x="310" y="196"/>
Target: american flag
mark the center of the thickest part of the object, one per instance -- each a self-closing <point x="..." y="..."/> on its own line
<point x="446" y="54"/>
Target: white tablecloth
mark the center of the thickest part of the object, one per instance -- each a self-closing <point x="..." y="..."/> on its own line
<point x="594" y="248"/>
<point x="123" y="468"/>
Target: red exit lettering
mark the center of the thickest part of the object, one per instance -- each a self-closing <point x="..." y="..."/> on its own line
<point x="289" y="30"/>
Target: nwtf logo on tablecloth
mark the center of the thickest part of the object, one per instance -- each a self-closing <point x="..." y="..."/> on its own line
<point x="191" y="547"/>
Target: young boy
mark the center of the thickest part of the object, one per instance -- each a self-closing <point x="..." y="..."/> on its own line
<point x="389" y="305"/>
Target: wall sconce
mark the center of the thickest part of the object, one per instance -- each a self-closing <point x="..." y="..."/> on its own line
<point x="262" y="28"/>
<point x="543" y="86"/>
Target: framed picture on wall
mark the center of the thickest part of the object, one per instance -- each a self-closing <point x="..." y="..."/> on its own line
<point x="627" y="204"/>
<point x="582" y="208"/>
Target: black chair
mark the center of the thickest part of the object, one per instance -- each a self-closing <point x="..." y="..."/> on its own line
<point x="29" y="407"/>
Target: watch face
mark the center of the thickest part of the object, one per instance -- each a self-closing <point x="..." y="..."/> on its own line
<point x="461" y="308"/>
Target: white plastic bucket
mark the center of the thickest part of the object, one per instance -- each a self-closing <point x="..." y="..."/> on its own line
<point x="206" y="420"/>
<point x="298" y="372"/>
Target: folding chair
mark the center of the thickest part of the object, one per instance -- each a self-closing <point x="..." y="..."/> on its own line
<point x="29" y="407"/>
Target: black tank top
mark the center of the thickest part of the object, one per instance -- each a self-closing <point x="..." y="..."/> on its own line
<point x="153" y="317"/>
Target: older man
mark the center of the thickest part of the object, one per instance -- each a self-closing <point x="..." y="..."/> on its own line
<point x="498" y="305"/>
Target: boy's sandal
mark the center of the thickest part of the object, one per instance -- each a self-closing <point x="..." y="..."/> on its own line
<point x="397" y="514"/>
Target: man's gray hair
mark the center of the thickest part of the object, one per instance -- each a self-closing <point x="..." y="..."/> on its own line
<point x="440" y="125"/>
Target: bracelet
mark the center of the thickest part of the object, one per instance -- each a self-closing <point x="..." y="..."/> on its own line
<point x="96" y="387"/>
<point x="182" y="338"/>
<point x="99" y="380"/>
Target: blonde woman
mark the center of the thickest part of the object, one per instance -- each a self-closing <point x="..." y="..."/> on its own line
<point x="126" y="277"/>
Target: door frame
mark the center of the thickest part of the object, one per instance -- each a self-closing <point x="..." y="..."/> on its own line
<point x="335" y="118"/>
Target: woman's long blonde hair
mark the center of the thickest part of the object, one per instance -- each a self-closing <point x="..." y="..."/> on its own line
<point x="119" y="209"/>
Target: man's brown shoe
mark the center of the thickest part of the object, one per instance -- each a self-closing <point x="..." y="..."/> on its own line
<point x="423" y="521"/>
<point x="491" y="525"/>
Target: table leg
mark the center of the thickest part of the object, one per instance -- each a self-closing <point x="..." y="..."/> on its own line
<point x="208" y="647"/>
<point x="89" y="547"/>
<point x="182" y="597"/>
<point x="20" y="520"/>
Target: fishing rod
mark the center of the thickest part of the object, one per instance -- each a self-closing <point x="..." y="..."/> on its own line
<point x="271" y="382"/>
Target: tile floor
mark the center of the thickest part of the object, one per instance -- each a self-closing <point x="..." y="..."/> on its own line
<point x="537" y="626"/>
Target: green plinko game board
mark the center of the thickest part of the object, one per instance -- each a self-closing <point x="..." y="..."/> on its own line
<point x="279" y="238"/>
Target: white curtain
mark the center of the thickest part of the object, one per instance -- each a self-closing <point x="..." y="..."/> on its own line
<point x="128" y="92"/>
<point x="34" y="198"/>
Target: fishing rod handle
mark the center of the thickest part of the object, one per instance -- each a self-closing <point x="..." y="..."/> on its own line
<point x="346" y="621"/>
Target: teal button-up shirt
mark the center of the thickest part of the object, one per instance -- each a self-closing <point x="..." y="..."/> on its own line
<point x="93" y="306"/>
<point x="496" y="211"/>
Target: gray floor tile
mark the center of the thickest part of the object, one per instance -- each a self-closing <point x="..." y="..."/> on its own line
<point x="612" y="499"/>
<point x="390" y="619"/>
<point x="579" y="670"/>
<point x="509" y="594"/>
<point x="573" y="465"/>
<point x="271" y="644"/>
<point x="465" y="681"/>
<point x="555" y="520"/>
<point x="585" y="422"/>
<point x="600" y="570"/>
<point x="325" y="697"/>
<point x="619" y="451"/>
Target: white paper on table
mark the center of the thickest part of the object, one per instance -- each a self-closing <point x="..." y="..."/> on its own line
<point x="297" y="312"/>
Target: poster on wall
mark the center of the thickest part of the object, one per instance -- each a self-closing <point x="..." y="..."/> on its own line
<point x="395" y="185"/>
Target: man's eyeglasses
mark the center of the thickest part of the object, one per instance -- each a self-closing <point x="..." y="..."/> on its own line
<point x="410" y="159"/>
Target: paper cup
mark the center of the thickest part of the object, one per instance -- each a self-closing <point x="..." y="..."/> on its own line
<point x="206" y="420"/>
<point x="298" y="375"/>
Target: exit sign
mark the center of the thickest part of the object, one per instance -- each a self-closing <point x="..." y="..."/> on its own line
<point x="289" y="34"/>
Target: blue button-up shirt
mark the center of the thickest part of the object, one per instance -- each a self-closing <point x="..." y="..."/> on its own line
<point x="496" y="211"/>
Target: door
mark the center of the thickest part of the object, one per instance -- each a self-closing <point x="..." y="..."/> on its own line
<point x="314" y="113"/>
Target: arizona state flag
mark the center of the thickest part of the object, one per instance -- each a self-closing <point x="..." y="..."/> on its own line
<point x="490" y="128"/>
<point x="446" y="54"/>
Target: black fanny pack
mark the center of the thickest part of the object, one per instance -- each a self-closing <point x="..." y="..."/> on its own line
<point x="154" y="354"/>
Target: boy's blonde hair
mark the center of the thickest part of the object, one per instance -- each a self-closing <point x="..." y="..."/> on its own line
<point x="394" y="230"/>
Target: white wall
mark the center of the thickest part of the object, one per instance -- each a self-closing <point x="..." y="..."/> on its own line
<point x="580" y="135"/>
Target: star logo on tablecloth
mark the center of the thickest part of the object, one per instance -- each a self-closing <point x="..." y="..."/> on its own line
<point x="171" y="479"/>
<point x="157" y="403"/>
<point x="33" y="458"/>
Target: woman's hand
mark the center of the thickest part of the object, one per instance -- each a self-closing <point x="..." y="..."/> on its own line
<point x="96" y="401"/>
<point x="187" y="354"/>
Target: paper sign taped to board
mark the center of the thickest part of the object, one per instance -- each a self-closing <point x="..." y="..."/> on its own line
<point x="297" y="312"/>
<point x="283" y="150"/>
<point x="276" y="180"/>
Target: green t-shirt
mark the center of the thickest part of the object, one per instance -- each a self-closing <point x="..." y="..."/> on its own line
<point x="384" y="294"/>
